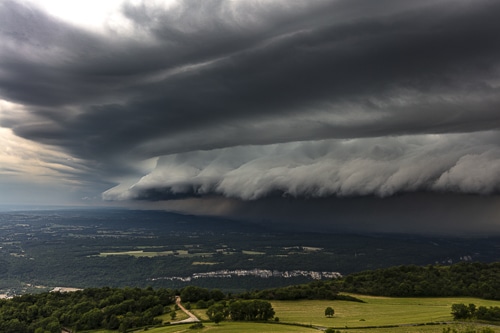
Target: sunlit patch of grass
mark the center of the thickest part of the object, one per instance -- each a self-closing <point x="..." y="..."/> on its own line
<point x="252" y="252"/>
<point x="209" y="263"/>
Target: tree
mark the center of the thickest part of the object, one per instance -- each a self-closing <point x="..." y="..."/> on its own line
<point x="112" y="323"/>
<point x="90" y="320"/>
<point x="173" y="315"/>
<point x="217" y="295"/>
<point x="201" y="304"/>
<point x="217" y="312"/>
<point x="217" y="317"/>
<point x="194" y="294"/>
<point x="329" y="312"/>
<point x="460" y="311"/>
<point x="251" y="310"/>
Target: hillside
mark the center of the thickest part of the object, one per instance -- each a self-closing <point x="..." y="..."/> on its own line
<point x="124" y="308"/>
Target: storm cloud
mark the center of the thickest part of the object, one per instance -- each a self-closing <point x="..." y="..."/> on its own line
<point x="250" y="100"/>
<point x="356" y="167"/>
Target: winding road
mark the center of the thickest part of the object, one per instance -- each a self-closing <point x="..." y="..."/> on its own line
<point x="192" y="318"/>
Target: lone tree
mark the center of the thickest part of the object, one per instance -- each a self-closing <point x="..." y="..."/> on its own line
<point x="329" y="312"/>
<point x="173" y="315"/>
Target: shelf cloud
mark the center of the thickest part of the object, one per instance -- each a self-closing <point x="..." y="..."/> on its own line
<point x="356" y="167"/>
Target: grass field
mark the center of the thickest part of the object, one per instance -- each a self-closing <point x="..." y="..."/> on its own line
<point x="179" y="315"/>
<point x="414" y="315"/>
<point x="377" y="311"/>
<point x="142" y="253"/>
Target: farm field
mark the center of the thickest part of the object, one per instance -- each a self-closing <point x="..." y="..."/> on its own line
<point x="408" y="315"/>
<point x="412" y="314"/>
<point x="377" y="311"/>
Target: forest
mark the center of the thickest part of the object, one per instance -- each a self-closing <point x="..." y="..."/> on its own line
<point x="117" y="309"/>
<point x="462" y="279"/>
<point x="87" y="309"/>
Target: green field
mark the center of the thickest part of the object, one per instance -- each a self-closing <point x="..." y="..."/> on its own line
<point x="411" y="314"/>
<point x="376" y="315"/>
<point x="150" y="254"/>
<point x="179" y="253"/>
<point x="376" y="311"/>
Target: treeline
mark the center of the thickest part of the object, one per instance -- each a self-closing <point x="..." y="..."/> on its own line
<point x="241" y="310"/>
<point x="462" y="311"/>
<point x="87" y="309"/>
<point x="313" y="290"/>
<point x="119" y="309"/>
<point x="197" y="294"/>
<point x="464" y="279"/>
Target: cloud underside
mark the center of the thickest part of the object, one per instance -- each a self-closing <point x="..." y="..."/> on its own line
<point x="249" y="100"/>
<point x="459" y="163"/>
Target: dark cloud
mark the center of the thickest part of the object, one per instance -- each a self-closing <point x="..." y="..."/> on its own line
<point x="250" y="99"/>
<point x="423" y="212"/>
<point x="418" y="212"/>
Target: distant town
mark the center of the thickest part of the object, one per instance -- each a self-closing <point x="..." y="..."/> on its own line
<point x="262" y="273"/>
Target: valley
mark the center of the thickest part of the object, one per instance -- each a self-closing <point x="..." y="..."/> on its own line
<point x="40" y="250"/>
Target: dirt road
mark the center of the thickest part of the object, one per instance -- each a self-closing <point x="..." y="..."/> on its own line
<point x="192" y="318"/>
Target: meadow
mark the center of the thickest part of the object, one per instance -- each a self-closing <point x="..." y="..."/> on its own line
<point x="376" y="315"/>
<point x="376" y="311"/>
<point x="150" y="254"/>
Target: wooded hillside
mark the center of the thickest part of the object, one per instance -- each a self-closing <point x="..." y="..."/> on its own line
<point x="464" y="279"/>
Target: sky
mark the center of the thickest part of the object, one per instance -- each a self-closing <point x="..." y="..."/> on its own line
<point x="357" y="115"/>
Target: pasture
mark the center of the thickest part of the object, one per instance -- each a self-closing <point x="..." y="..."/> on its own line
<point x="150" y="254"/>
<point x="376" y="311"/>
<point x="376" y="315"/>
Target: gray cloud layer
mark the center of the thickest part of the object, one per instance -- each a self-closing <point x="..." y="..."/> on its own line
<point x="358" y="167"/>
<point x="250" y="99"/>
